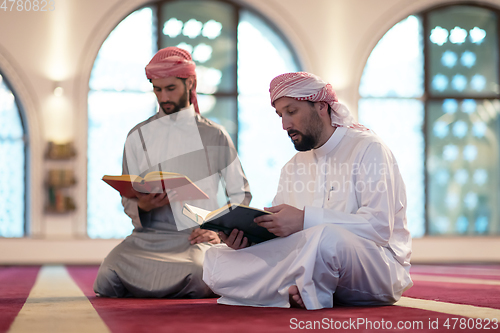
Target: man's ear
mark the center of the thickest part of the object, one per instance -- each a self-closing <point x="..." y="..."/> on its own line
<point x="190" y="82"/>
<point x="322" y="108"/>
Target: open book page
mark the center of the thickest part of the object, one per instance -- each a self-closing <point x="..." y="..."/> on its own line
<point x="155" y="175"/>
<point x="217" y="212"/>
<point x="126" y="178"/>
<point x="156" y="182"/>
<point x="196" y="214"/>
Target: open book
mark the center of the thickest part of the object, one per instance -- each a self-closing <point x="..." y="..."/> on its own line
<point x="231" y="217"/>
<point x="156" y="181"/>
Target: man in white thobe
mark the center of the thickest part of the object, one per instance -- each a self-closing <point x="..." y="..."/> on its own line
<point x="340" y="212"/>
<point x="163" y="257"/>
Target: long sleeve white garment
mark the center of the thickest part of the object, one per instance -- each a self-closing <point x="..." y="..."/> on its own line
<point x="355" y="247"/>
<point x="352" y="181"/>
<point x="157" y="259"/>
<point x="189" y="144"/>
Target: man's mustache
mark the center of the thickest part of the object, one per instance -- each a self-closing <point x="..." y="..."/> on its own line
<point x="292" y="132"/>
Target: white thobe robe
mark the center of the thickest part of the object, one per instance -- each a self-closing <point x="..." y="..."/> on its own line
<point x="355" y="247"/>
<point x="157" y="259"/>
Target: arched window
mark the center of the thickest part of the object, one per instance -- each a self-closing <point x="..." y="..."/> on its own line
<point x="237" y="53"/>
<point x="430" y="88"/>
<point x="13" y="149"/>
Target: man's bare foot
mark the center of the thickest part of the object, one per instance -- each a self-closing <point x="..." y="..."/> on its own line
<point x="295" y="299"/>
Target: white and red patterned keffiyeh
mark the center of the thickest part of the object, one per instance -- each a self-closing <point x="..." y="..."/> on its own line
<point x="304" y="86"/>
<point x="173" y="61"/>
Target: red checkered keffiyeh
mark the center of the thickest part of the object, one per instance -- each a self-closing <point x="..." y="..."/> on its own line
<point x="304" y="86"/>
<point x="173" y="61"/>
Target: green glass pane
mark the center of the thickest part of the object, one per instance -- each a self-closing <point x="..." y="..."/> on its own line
<point x="462" y="165"/>
<point x="207" y="29"/>
<point x="463" y="52"/>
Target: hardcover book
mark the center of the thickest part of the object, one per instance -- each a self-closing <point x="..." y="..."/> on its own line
<point x="231" y="217"/>
<point x="158" y="182"/>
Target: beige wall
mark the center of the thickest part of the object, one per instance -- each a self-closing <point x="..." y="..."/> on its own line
<point x="332" y="37"/>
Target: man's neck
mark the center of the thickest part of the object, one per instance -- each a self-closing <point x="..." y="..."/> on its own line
<point x="173" y="116"/>
<point x="326" y="135"/>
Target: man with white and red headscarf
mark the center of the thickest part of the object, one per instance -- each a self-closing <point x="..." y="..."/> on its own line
<point x="163" y="257"/>
<point x="340" y="214"/>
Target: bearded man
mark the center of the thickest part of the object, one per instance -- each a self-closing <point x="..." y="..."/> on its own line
<point x="339" y="212"/>
<point x="163" y="256"/>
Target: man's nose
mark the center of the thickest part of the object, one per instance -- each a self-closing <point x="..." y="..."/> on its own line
<point x="164" y="96"/>
<point x="286" y="123"/>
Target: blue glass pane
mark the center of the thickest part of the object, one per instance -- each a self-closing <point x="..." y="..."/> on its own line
<point x="449" y="59"/>
<point x="111" y="116"/>
<point x="12" y="188"/>
<point x="12" y="166"/>
<point x="120" y="97"/>
<point x="395" y="67"/>
<point x="121" y="60"/>
<point x="463" y="167"/>
<point x="399" y="123"/>
<point x="463" y="51"/>
<point x="260" y="131"/>
<point x="10" y="122"/>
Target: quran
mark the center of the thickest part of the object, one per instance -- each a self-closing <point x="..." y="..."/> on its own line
<point x="229" y="217"/>
<point x="158" y="182"/>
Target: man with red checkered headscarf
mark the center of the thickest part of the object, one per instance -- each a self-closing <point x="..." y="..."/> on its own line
<point x="340" y="214"/>
<point x="163" y="257"/>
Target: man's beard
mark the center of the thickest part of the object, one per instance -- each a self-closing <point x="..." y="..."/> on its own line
<point x="177" y="106"/>
<point x="310" y="138"/>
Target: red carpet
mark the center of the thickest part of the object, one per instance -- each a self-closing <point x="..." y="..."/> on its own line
<point x="15" y="285"/>
<point x="163" y="315"/>
<point x="160" y="315"/>
<point x="460" y="293"/>
<point x="486" y="272"/>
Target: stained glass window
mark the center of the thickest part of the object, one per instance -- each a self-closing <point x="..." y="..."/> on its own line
<point x="459" y="139"/>
<point x="463" y="51"/>
<point x="12" y="165"/>
<point x="463" y="166"/>
<point x="226" y="42"/>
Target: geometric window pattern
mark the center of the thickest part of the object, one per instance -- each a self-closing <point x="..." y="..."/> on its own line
<point x="12" y="165"/>
<point x="226" y="42"/>
<point x="462" y="167"/>
<point x="462" y="127"/>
